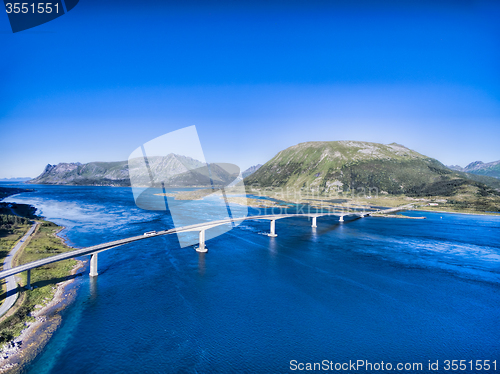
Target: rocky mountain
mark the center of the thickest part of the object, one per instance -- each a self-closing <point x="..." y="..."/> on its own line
<point x="347" y="165"/>
<point x="171" y="170"/>
<point x="251" y="170"/>
<point x="490" y="169"/>
<point x="92" y="174"/>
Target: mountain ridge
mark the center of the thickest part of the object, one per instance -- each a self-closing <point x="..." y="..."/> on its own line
<point x="168" y="171"/>
<point x="489" y="169"/>
<point x="99" y="173"/>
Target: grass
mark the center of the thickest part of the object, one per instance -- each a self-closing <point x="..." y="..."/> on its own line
<point x="44" y="243"/>
<point x="9" y="236"/>
<point x="256" y="203"/>
<point x="468" y="200"/>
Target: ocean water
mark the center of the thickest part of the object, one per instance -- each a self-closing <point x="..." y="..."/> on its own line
<point x="375" y="289"/>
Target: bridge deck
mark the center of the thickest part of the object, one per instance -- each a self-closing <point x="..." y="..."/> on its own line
<point x="195" y="227"/>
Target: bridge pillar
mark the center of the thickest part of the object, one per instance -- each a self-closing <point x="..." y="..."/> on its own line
<point x="314" y="222"/>
<point x="341" y="219"/>
<point x="93" y="265"/>
<point x="202" y="247"/>
<point x="273" y="229"/>
<point x="28" y="279"/>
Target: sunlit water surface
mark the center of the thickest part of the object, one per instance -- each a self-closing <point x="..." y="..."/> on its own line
<point x="377" y="289"/>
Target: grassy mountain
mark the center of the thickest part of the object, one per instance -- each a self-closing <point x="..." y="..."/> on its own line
<point x="173" y="170"/>
<point x="350" y="165"/>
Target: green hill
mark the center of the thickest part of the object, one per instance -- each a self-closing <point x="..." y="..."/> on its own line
<point x="392" y="169"/>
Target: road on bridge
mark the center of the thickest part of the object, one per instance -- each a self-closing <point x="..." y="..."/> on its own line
<point x="200" y="227"/>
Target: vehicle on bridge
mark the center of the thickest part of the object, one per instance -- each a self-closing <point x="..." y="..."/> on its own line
<point x="199" y="227"/>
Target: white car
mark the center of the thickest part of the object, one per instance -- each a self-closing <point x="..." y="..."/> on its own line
<point x="149" y="233"/>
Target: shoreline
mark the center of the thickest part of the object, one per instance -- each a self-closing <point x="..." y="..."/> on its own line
<point x="272" y="202"/>
<point x="23" y="349"/>
<point x="64" y="240"/>
<point x="248" y="193"/>
<point x="453" y="212"/>
<point x="363" y="204"/>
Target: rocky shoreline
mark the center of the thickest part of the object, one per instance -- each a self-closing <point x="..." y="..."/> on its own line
<point x="22" y="349"/>
<point x="25" y="347"/>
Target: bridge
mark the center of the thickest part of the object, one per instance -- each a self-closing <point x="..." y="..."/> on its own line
<point x="200" y="227"/>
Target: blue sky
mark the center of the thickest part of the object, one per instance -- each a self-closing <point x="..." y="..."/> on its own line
<point x="254" y="77"/>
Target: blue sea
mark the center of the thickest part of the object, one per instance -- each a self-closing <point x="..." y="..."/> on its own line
<point x="373" y="289"/>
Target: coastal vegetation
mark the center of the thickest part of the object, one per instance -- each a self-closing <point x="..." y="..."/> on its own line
<point x="43" y="243"/>
<point x="12" y="228"/>
<point x="8" y="191"/>
<point x="14" y="223"/>
<point x="349" y="200"/>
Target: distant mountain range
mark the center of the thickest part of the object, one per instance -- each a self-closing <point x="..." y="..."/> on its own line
<point x="173" y="170"/>
<point x="251" y="170"/>
<point x="391" y="169"/>
<point x="14" y="179"/>
<point x="490" y="169"/>
<point x="92" y="174"/>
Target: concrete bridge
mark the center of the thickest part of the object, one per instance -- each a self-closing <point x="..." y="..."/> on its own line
<point x="200" y="227"/>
